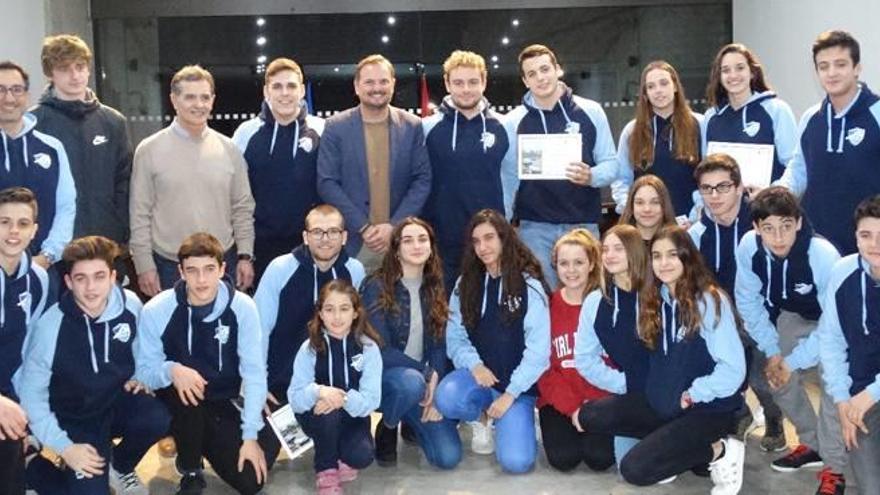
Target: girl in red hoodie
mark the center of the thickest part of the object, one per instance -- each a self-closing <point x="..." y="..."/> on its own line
<point x="576" y="258"/>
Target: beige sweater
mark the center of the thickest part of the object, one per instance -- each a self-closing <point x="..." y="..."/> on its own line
<point x="181" y="185"/>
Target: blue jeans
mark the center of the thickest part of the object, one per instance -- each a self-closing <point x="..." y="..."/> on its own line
<point x="338" y="437"/>
<point x="458" y="396"/>
<point x="540" y="238"/>
<point x="402" y="390"/>
<point x="169" y="274"/>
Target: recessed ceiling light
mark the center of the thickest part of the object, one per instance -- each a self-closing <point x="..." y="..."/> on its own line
<point x="391" y="20"/>
<point x="261" y="22"/>
<point x="261" y="59"/>
<point x="515" y="22"/>
<point x="261" y="41"/>
<point x="385" y="38"/>
<point x="494" y="58"/>
<point x="505" y="40"/>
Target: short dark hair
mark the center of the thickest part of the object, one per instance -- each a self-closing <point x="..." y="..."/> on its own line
<point x="21" y="195"/>
<point x="843" y="39"/>
<point x="775" y="200"/>
<point x="868" y="208"/>
<point x="10" y="65"/>
<point x="93" y="247"/>
<point x="533" y="51"/>
<point x="719" y="161"/>
<point x="198" y="245"/>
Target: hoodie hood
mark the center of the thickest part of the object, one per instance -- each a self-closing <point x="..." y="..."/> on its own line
<point x="564" y="104"/>
<point x="795" y="264"/>
<point x="115" y="307"/>
<point x="30" y="121"/>
<point x="23" y="272"/>
<point x="75" y="109"/>
<point x="298" y="124"/>
<point x="448" y="108"/>
<point x="756" y="99"/>
<point x="860" y="103"/>
<point x="304" y="257"/>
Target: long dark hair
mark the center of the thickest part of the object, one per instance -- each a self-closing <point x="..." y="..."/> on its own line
<point x="628" y="215"/>
<point x="516" y="260"/>
<point x="636" y="256"/>
<point x="360" y="326"/>
<point x="716" y="95"/>
<point x="686" y="146"/>
<point x="390" y="272"/>
<point x="695" y="281"/>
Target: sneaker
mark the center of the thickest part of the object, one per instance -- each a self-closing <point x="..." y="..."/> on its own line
<point x="668" y="480"/>
<point x="192" y="483"/>
<point x="482" y="438"/>
<point x="744" y="423"/>
<point x="774" y="437"/>
<point x="830" y="483"/>
<point x="327" y="482"/>
<point x="126" y="483"/>
<point x="386" y="445"/>
<point x="727" y="470"/>
<point x="800" y="457"/>
<point x="347" y="473"/>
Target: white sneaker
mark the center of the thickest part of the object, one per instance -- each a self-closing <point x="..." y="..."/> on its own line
<point x="126" y="484"/>
<point x="482" y="438"/>
<point x="727" y="470"/>
<point x="668" y="480"/>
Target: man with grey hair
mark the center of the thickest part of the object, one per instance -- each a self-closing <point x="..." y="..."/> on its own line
<point x="189" y="178"/>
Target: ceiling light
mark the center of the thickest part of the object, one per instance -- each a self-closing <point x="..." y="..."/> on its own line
<point x="515" y="22"/>
<point x="261" y="22"/>
<point x="505" y="40"/>
<point x="385" y="38"/>
<point x="391" y="20"/>
<point x="261" y="59"/>
<point x="261" y="41"/>
<point x="494" y="58"/>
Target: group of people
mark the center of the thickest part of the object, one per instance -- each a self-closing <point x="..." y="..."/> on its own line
<point x="400" y="265"/>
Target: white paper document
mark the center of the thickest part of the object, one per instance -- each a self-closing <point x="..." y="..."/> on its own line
<point x="547" y="156"/>
<point x="755" y="160"/>
<point x="293" y="440"/>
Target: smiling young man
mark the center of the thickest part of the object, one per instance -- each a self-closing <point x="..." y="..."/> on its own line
<point x="78" y="382"/>
<point x="466" y="142"/>
<point x="280" y="147"/>
<point x="201" y="347"/>
<point x="187" y="178"/>
<point x="835" y="163"/>
<point x="95" y="138"/>
<point x="782" y="274"/>
<point x="546" y="209"/>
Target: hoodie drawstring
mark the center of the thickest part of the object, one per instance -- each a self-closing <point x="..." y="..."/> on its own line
<point x="91" y="344"/>
<point x="106" y="342"/>
<point x="345" y="361"/>
<point x="329" y="359"/>
<point x="454" y="129"/>
<point x="274" y="137"/>
<point x="24" y="149"/>
<point x="315" y="281"/>
<point x="614" y="315"/>
<point x="785" y="279"/>
<point x="828" y="111"/>
<point x="486" y="293"/>
<point x="5" y="151"/>
<point x="718" y="242"/>
<point x="864" y="299"/>
<point x="189" y="330"/>
<point x="2" y="300"/>
<point x="674" y="326"/>
<point x="219" y="346"/>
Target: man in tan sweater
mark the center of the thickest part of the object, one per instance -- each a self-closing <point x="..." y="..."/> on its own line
<point x="189" y="178"/>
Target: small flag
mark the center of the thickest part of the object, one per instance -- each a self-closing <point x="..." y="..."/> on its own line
<point x="424" y="96"/>
<point x="310" y="104"/>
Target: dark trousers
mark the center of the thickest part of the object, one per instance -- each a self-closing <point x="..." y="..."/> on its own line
<point x="566" y="447"/>
<point x="338" y="437"/>
<point x="668" y="447"/>
<point x="266" y="250"/>
<point x="11" y="467"/>
<point x="213" y="429"/>
<point x="140" y="420"/>
<point x="169" y="274"/>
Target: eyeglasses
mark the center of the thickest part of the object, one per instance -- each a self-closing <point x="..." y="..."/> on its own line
<point x="722" y="188"/>
<point x="17" y="90"/>
<point x="332" y="234"/>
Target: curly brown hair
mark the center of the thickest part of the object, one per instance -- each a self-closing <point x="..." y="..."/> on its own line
<point x="360" y="325"/>
<point x="695" y="281"/>
<point x="516" y="261"/>
<point x="390" y="273"/>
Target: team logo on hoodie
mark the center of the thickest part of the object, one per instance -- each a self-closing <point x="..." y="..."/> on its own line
<point x="488" y="140"/>
<point x="572" y="127"/>
<point x="357" y="362"/>
<point x="43" y="160"/>
<point x="752" y="128"/>
<point x="122" y="333"/>
<point x="803" y="289"/>
<point x="306" y="144"/>
<point x="513" y="303"/>
<point x="222" y="334"/>
<point x="855" y="136"/>
<point x="24" y="301"/>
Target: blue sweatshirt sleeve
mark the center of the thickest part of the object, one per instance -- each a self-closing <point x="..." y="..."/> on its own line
<point x="832" y="344"/>
<point x="152" y="368"/>
<point x="509" y="175"/>
<point x="750" y="301"/>
<point x="704" y="130"/>
<point x="536" y="356"/>
<point x="365" y="399"/>
<point x="392" y="356"/>
<point x="61" y="230"/>
<point x="303" y="391"/>
<point x="795" y="175"/>
<point x="605" y="166"/>
<point x="588" y="350"/>
<point x="458" y="346"/>
<point x="357" y="272"/>
<point x="725" y="347"/>
<point x="822" y="257"/>
<point x="243" y="134"/>
<point x="35" y="379"/>
<point x="785" y="128"/>
<point x="251" y="365"/>
<point x="268" y="295"/>
<point x="625" y="176"/>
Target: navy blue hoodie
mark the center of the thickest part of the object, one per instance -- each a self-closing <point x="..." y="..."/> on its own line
<point x="835" y="165"/>
<point x="286" y="301"/>
<point x="282" y="165"/>
<point x="22" y="300"/>
<point x="717" y="243"/>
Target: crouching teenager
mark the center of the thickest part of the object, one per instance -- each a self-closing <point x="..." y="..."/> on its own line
<point x="200" y="348"/>
<point x="337" y="380"/>
<point x="696" y="365"/>
<point x="77" y="382"/>
<point x="498" y="337"/>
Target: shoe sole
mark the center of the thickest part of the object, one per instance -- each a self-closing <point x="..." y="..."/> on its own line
<point x="776" y="449"/>
<point x="808" y="465"/>
<point x="482" y="452"/>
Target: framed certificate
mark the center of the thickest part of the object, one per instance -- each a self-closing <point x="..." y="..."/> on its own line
<point x="547" y="156"/>
<point x="755" y="160"/>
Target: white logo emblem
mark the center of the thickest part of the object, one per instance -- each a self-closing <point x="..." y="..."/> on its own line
<point x="752" y="128"/>
<point x="24" y="301"/>
<point x="306" y="144"/>
<point x="488" y="140"/>
<point x="122" y="333"/>
<point x="572" y="127"/>
<point x="855" y="136"/>
<point x="222" y="334"/>
<point x="99" y="140"/>
<point x="803" y="289"/>
<point x="43" y="160"/>
<point x="513" y="303"/>
<point x="357" y="362"/>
